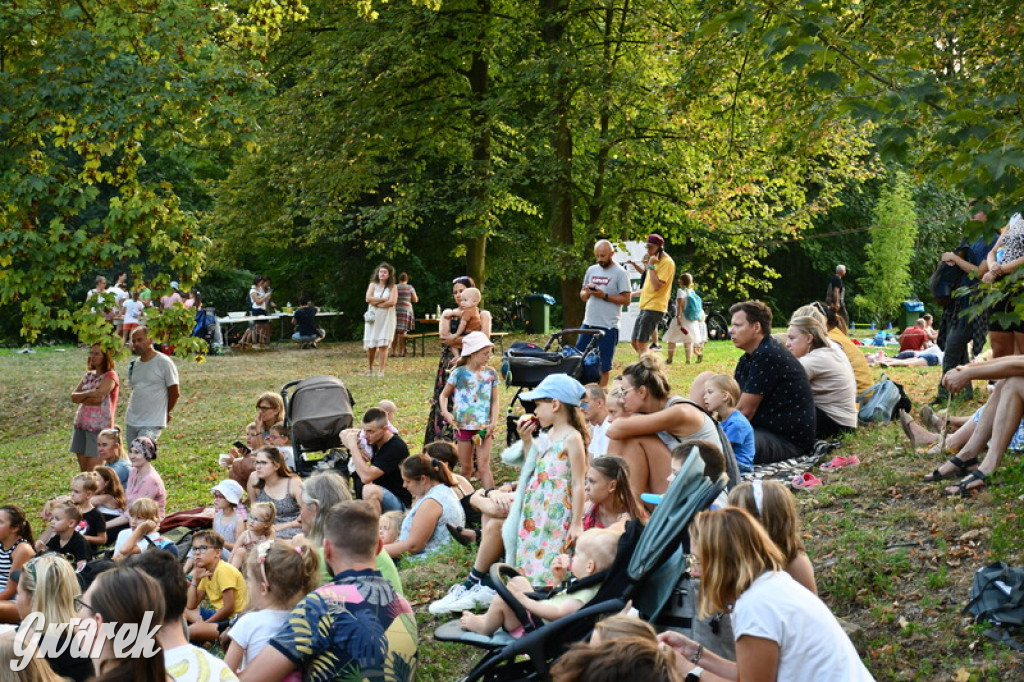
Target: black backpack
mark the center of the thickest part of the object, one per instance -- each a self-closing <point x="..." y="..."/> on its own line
<point x="947" y="278"/>
<point x="997" y="598"/>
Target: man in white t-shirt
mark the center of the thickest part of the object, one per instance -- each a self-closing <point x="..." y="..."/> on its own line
<point x="154" y="381"/>
<point x="184" y="662"/>
<point x="597" y="414"/>
<point x="605" y="290"/>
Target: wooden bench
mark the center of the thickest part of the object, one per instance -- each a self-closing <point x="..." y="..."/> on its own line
<point x="499" y="338"/>
<point x="422" y="338"/>
<point x="496" y="337"/>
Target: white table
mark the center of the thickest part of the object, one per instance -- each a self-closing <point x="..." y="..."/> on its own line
<point x="229" y="321"/>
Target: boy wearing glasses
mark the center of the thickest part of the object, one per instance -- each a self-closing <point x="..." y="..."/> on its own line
<point x="216" y="581"/>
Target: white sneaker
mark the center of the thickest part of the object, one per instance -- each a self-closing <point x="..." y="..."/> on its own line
<point x="444" y="604"/>
<point x="477" y="597"/>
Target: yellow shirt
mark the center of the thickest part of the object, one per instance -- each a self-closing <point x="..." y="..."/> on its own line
<point x="225" y="577"/>
<point x="657" y="301"/>
<point x="861" y="370"/>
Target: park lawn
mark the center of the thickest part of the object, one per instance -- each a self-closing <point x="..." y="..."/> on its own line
<point x="892" y="555"/>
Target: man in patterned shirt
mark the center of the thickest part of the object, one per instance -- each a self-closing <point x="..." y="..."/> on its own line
<point x="775" y="394"/>
<point x="355" y="627"/>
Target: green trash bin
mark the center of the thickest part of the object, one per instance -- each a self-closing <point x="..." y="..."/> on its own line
<point x="911" y="311"/>
<point x="540" y="313"/>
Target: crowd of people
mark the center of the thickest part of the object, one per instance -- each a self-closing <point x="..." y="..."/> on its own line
<point x="281" y="558"/>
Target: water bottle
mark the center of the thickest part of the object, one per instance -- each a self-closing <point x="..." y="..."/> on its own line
<point x="438" y="313"/>
<point x="999" y="255"/>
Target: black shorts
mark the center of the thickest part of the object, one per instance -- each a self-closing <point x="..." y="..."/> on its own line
<point x="646" y="322"/>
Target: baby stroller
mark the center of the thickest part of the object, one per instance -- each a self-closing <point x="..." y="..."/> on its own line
<point x="525" y="365"/>
<point x="207" y="328"/>
<point x="646" y="570"/>
<point x="316" y="412"/>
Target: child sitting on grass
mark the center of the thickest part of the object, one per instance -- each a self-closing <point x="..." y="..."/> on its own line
<point x="214" y="580"/>
<point x="227" y="496"/>
<point x="93" y="526"/>
<point x="260" y="529"/>
<point x="66" y="540"/>
<point x="109" y="498"/>
<point x="391" y="526"/>
<point x="240" y="463"/>
<point x="595" y="551"/>
<point x="721" y="395"/>
<point x="279" y="576"/>
<point x="143" y="522"/>
<point x="281" y="439"/>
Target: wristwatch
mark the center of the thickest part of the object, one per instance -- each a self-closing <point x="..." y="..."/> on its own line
<point x="694" y="675"/>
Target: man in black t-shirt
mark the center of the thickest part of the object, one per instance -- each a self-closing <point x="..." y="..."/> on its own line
<point x="304" y="319"/>
<point x="379" y="479"/>
<point x="775" y="394"/>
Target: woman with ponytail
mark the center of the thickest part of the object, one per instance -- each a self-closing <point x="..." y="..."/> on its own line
<point x="434" y="507"/>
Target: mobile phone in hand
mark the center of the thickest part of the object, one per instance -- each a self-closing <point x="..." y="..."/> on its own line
<point x="241" y="447"/>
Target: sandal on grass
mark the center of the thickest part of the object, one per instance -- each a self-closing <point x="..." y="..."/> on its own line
<point x="963" y="468"/>
<point x="456" y="532"/>
<point x="964" y="487"/>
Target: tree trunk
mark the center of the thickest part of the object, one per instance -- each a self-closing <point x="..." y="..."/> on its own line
<point x="476" y="245"/>
<point x="553" y="15"/>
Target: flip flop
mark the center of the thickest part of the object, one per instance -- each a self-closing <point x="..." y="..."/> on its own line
<point x="934" y="421"/>
<point x="838" y="462"/>
<point x="963" y="468"/>
<point x="806" y="481"/>
<point x="964" y="489"/>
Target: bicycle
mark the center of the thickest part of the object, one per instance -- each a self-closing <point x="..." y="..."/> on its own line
<point x="512" y="315"/>
<point x="718" y="325"/>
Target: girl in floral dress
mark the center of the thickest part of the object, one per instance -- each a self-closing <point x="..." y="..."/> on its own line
<point x="475" y="388"/>
<point x="552" y="515"/>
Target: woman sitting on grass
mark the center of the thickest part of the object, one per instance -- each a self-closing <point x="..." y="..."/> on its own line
<point x="658" y="421"/>
<point x="783" y="631"/>
<point x="434" y="508"/>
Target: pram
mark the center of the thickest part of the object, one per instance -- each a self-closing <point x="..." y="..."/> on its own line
<point x="646" y="570"/>
<point x="525" y="365"/>
<point x="316" y="412"/>
<point x="207" y="328"/>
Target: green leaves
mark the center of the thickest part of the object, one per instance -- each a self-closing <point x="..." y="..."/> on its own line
<point x="103" y="91"/>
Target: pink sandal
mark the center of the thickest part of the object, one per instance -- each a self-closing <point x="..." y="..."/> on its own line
<point x="806" y="481"/>
<point x="838" y="462"/>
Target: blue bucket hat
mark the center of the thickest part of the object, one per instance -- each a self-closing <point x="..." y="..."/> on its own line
<point x="560" y="387"/>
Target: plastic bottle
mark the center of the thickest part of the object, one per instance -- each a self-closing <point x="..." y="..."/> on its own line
<point x="438" y="313"/>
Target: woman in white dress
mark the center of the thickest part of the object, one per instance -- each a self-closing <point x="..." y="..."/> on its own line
<point x="381" y="316"/>
<point x="691" y="333"/>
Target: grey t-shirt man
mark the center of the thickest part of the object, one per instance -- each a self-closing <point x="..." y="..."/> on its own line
<point x="611" y="280"/>
<point x="147" y="407"/>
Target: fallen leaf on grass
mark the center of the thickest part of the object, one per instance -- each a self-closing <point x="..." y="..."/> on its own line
<point x="961" y="675"/>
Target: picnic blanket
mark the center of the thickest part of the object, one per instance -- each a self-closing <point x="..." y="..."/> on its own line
<point x="788" y="469"/>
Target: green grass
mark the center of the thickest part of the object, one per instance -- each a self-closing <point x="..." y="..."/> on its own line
<point x="885" y="545"/>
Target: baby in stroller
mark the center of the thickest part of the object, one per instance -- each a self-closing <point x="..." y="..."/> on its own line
<point x="595" y="552"/>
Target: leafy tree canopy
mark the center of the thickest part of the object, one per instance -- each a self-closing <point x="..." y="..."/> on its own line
<point x="108" y="111"/>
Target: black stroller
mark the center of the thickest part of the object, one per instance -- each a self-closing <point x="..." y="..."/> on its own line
<point x="525" y="365"/>
<point x="647" y="568"/>
<point x="315" y="413"/>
